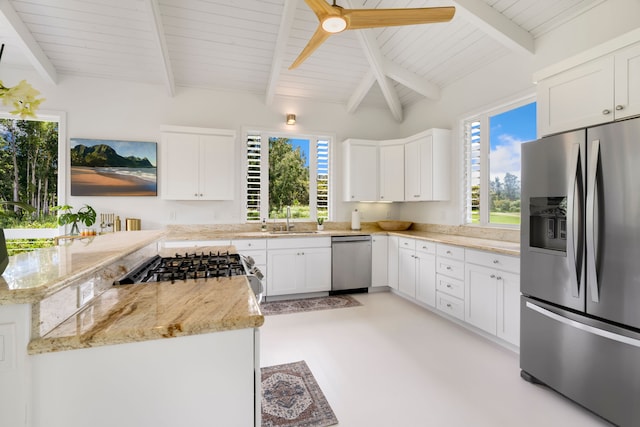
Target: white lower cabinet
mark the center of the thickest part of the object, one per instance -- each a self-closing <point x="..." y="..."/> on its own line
<point x="492" y="292"/>
<point x="417" y="270"/>
<point x="379" y="263"/>
<point x="298" y="266"/>
<point x="450" y="280"/>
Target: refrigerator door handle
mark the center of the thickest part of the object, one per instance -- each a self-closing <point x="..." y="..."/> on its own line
<point x="590" y="329"/>
<point x="571" y="250"/>
<point x="592" y="270"/>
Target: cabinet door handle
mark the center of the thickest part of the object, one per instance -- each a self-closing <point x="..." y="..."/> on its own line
<point x="619" y="107"/>
<point x="416" y="195"/>
<point x="493" y="276"/>
<point x="606" y="111"/>
<point x="499" y="278"/>
<point x="495" y="261"/>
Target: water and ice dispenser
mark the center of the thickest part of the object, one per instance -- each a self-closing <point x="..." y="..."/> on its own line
<point x="548" y="223"/>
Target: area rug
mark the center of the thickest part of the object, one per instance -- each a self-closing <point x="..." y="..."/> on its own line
<point x="308" y="304"/>
<point x="291" y="397"/>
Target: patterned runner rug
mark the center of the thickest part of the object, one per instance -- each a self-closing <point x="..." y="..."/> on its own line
<point x="307" y="304"/>
<point x="291" y="397"/>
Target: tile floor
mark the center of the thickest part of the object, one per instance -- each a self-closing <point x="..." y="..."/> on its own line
<point x="391" y="363"/>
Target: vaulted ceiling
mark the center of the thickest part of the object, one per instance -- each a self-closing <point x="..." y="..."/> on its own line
<point x="248" y="45"/>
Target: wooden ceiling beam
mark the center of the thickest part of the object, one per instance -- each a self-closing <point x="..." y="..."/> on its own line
<point x="361" y="91"/>
<point x="153" y="11"/>
<point x="411" y="80"/>
<point x="30" y="47"/>
<point x="286" y="24"/>
<point x="496" y="25"/>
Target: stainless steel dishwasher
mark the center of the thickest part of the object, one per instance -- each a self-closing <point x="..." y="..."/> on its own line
<point x="351" y="263"/>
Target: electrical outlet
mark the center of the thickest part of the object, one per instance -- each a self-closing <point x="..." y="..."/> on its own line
<point x="85" y="293"/>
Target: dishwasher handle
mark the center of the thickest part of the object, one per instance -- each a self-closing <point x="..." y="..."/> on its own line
<point x="358" y="238"/>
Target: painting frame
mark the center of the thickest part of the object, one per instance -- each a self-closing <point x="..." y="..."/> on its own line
<point x="113" y="168"/>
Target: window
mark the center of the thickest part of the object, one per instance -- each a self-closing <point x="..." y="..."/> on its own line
<point x="492" y="162"/>
<point x="31" y="155"/>
<point x="287" y="172"/>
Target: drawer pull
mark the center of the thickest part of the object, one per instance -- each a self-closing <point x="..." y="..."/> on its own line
<point x="448" y="252"/>
<point x="449" y="285"/>
<point x="449" y="267"/>
<point x="448" y="305"/>
<point x="495" y="261"/>
<point x="499" y="278"/>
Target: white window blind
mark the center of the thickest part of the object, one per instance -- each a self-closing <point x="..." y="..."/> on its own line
<point x="322" y="181"/>
<point x="254" y="177"/>
<point x="472" y="170"/>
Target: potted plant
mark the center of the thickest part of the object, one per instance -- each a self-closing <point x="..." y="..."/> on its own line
<point x="85" y="215"/>
<point x="320" y="224"/>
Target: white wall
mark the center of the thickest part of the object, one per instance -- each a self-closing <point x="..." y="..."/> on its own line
<point x="505" y="80"/>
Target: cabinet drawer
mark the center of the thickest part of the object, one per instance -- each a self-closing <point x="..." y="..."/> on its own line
<point x="493" y="260"/>
<point x="450" y="268"/>
<point x="450" y="305"/>
<point x="249" y="244"/>
<point x="406" y="243"/>
<point x="425" y="246"/>
<point x="449" y="251"/>
<point x="450" y="286"/>
<point x="299" y="243"/>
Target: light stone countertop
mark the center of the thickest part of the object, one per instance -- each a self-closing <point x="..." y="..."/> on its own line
<point x="187" y="233"/>
<point x="31" y="277"/>
<point x="141" y="312"/>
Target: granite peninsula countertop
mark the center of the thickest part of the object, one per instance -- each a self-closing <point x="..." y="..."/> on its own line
<point x="141" y="312"/>
<point x="32" y="276"/>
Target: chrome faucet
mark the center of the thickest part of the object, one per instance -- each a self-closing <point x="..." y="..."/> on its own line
<point x="288" y="217"/>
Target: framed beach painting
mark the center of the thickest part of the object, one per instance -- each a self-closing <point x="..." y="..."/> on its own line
<point x="113" y="168"/>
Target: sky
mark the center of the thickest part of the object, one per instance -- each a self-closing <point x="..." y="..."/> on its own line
<point x="124" y="148"/>
<point x="507" y="132"/>
<point x="304" y="147"/>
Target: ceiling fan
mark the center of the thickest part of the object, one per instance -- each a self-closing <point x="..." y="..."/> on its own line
<point x="335" y="19"/>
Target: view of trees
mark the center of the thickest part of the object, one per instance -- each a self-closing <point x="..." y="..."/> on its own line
<point x="504" y="199"/>
<point x="28" y="171"/>
<point x="288" y="179"/>
<point x="505" y="196"/>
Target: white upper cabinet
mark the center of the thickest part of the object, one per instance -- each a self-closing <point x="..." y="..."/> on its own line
<point x="360" y="159"/>
<point x="391" y="167"/>
<point x="197" y="164"/>
<point x="426" y="166"/>
<point x="601" y="90"/>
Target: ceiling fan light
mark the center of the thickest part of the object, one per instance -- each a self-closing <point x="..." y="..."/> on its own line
<point x="334" y="24"/>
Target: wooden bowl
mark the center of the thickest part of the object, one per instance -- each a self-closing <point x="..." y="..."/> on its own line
<point x="394" y="225"/>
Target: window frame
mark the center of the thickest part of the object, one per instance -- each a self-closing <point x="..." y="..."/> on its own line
<point x="483" y="117"/>
<point x="313" y="138"/>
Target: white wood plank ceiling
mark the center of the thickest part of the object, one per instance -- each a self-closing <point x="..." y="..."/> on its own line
<point x="248" y="45"/>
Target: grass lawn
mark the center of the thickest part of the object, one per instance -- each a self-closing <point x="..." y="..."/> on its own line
<point x="510" y="218"/>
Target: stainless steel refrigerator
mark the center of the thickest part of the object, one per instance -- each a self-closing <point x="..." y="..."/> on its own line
<point x="580" y="267"/>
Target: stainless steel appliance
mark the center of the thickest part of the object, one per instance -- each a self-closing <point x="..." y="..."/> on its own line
<point x="580" y="267"/>
<point x="196" y="266"/>
<point x="351" y="263"/>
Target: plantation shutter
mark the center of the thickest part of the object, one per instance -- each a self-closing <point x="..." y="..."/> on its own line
<point x="322" y="180"/>
<point x="254" y="182"/>
<point x="472" y="170"/>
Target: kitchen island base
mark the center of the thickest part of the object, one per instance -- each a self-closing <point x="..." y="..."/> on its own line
<point x="198" y="380"/>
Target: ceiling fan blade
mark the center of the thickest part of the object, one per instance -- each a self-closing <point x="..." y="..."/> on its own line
<point x="316" y="40"/>
<point x="374" y="18"/>
<point x="321" y="8"/>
